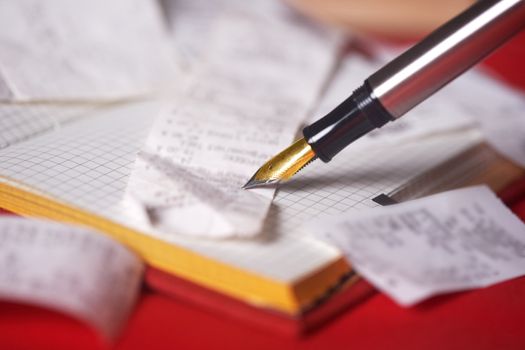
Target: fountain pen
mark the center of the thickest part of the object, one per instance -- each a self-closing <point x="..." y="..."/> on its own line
<point x="400" y="85"/>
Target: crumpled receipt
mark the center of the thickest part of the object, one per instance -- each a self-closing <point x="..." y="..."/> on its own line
<point x="83" y="50"/>
<point x="451" y="241"/>
<point x="239" y="108"/>
<point x="70" y="269"/>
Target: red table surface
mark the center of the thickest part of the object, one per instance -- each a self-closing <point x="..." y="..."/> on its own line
<point x="489" y="318"/>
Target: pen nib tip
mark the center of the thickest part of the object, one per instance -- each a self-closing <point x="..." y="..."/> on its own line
<point x="249" y="184"/>
<point x="254" y="183"/>
<point x="282" y="166"/>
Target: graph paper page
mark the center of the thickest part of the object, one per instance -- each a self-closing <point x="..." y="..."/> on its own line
<point x="87" y="164"/>
<point x="19" y="122"/>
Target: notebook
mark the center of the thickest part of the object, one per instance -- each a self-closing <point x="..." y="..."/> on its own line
<point x="72" y="164"/>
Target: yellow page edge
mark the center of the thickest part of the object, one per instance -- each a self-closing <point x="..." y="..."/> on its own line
<point x="230" y="280"/>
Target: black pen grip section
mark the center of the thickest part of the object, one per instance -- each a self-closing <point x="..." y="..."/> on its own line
<point x="356" y="116"/>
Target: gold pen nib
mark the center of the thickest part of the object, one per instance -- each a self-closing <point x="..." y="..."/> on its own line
<point x="283" y="166"/>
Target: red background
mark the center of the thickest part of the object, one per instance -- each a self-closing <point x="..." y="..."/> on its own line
<point x="490" y="318"/>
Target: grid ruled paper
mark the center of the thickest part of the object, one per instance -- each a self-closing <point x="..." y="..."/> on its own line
<point x="358" y="174"/>
<point x="20" y="122"/>
<point x="87" y="164"/>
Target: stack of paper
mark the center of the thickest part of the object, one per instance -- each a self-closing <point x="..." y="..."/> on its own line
<point x="143" y="121"/>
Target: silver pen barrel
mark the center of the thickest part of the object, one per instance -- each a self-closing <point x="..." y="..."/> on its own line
<point x="446" y="53"/>
<point x="401" y="85"/>
<point x="416" y="74"/>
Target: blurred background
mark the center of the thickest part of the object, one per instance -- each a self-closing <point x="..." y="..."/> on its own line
<point x="406" y="19"/>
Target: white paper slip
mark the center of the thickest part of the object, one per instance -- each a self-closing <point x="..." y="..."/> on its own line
<point x="81" y="50"/>
<point x="498" y="109"/>
<point x="447" y="242"/>
<point x="235" y="113"/>
<point x="70" y="269"/>
<point x="187" y="17"/>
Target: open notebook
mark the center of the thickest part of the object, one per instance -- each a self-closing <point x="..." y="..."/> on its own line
<point x="72" y="163"/>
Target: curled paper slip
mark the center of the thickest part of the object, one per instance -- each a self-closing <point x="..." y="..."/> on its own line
<point x="448" y="242"/>
<point x="175" y="199"/>
<point x="69" y="269"/>
<point x="209" y="140"/>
